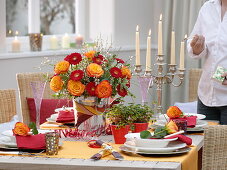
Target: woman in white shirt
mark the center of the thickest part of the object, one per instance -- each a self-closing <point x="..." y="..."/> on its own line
<point x="209" y="40"/>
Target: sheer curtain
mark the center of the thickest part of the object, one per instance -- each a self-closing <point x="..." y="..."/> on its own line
<point x="180" y="16"/>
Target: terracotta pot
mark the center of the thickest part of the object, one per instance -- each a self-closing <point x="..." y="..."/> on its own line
<point x="138" y="127"/>
<point x="119" y="133"/>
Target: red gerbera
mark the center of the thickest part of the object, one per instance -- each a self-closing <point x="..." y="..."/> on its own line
<point x="98" y="59"/>
<point x="121" y="91"/>
<point x="74" y="58"/>
<point x="90" y="87"/>
<point x="77" y="75"/>
<point x="115" y="72"/>
<point x="120" y="60"/>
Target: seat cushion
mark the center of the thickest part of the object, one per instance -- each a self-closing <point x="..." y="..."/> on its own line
<point x="48" y="107"/>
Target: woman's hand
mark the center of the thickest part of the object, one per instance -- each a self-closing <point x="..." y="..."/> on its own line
<point x="225" y="80"/>
<point x="197" y="44"/>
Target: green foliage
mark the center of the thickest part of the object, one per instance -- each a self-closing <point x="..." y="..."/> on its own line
<point x="32" y="126"/>
<point x="122" y="115"/>
<point x="160" y="132"/>
<point x="140" y="113"/>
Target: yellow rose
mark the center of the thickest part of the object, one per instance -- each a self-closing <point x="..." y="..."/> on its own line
<point x="75" y="88"/>
<point x="126" y="72"/>
<point x="56" y="83"/>
<point x="94" y="70"/>
<point x="21" y="129"/>
<point x="90" y="54"/>
<point x="61" y="67"/>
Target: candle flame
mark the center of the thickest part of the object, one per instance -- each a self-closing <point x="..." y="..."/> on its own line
<point x="16" y="32"/>
<point x="149" y="32"/>
<point x="185" y="37"/>
<point x="10" y="31"/>
<point x="160" y="18"/>
<point x="137" y="28"/>
<point x="41" y="34"/>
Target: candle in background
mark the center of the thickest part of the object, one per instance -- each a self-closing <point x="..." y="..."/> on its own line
<point x="33" y="16"/>
<point x="53" y="42"/>
<point x="182" y="53"/>
<point x="160" y="36"/>
<point x="79" y="40"/>
<point x="65" y="43"/>
<point x="16" y="43"/>
<point x="173" y="54"/>
<point x="137" y="46"/>
<point x="148" y="57"/>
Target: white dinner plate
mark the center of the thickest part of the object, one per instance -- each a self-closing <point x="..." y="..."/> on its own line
<point x="199" y="123"/>
<point x="199" y="116"/>
<point x="58" y="109"/>
<point x="6" y="141"/>
<point x="172" y="146"/>
<point x="133" y="151"/>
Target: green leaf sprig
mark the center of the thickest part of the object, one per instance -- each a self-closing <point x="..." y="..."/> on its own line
<point x="32" y="126"/>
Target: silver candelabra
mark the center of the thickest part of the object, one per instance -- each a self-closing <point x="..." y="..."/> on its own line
<point x="161" y="78"/>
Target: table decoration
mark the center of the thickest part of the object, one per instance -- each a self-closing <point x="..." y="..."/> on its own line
<point x="157" y="74"/>
<point x="90" y="79"/>
<point x="38" y="88"/>
<point x="53" y="42"/>
<point x="16" y="44"/>
<point x="52" y="143"/>
<point x="35" y="40"/>
<point x="107" y="149"/>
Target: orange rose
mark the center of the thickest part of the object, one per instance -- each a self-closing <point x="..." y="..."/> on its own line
<point x="56" y="83"/>
<point x="104" y="89"/>
<point x="171" y="127"/>
<point x="75" y="88"/>
<point x="90" y="54"/>
<point x="126" y="72"/>
<point x="21" y="129"/>
<point x="61" y="67"/>
<point x="174" y="112"/>
<point x="94" y="70"/>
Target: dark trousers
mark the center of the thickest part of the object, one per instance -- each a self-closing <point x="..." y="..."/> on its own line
<point x="213" y="113"/>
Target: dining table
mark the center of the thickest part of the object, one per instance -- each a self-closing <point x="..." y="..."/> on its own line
<point x="34" y="162"/>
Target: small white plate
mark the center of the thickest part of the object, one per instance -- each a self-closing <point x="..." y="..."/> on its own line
<point x="199" y="123"/>
<point x="5" y="140"/>
<point x="58" y="109"/>
<point x="172" y="146"/>
<point x="199" y="116"/>
<point x="133" y="151"/>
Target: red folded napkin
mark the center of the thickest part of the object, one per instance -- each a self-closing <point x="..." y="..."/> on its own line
<point x="182" y="138"/>
<point x="191" y="120"/>
<point x="65" y="116"/>
<point x="34" y="142"/>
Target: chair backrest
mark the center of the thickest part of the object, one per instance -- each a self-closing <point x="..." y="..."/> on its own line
<point x="194" y="76"/>
<point x="25" y="91"/>
<point x="7" y="105"/>
<point x="215" y="148"/>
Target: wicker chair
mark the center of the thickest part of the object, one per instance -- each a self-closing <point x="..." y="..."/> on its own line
<point x="194" y="76"/>
<point x="24" y="80"/>
<point x="215" y="148"/>
<point x="7" y="105"/>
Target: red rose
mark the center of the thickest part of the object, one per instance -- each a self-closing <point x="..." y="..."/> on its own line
<point x="77" y="75"/>
<point x="74" y="58"/>
<point x="121" y="91"/>
<point x="98" y="59"/>
<point x="120" y="60"/>
<point x="115" y="72"/>
<point x="90" y="87"/>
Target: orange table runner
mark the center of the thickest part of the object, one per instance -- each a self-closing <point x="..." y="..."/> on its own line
<point x="80" y="150"/>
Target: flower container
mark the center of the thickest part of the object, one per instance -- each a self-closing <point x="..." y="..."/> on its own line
<point x="138" y="127"/>
<point x="119" y="133"/>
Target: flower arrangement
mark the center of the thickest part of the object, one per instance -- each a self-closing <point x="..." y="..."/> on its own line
<point x="94" y="73"/>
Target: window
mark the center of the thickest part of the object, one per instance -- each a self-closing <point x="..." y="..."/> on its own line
<point x="16" y="17"/>
<point x="57" y="16"/>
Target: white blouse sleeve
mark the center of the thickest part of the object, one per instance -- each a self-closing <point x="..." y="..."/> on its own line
<point x="196" y="30"/>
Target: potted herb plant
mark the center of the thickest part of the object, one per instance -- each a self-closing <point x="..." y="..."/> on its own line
<point x="140" y="115"/>
<point x="119" y="116"/>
